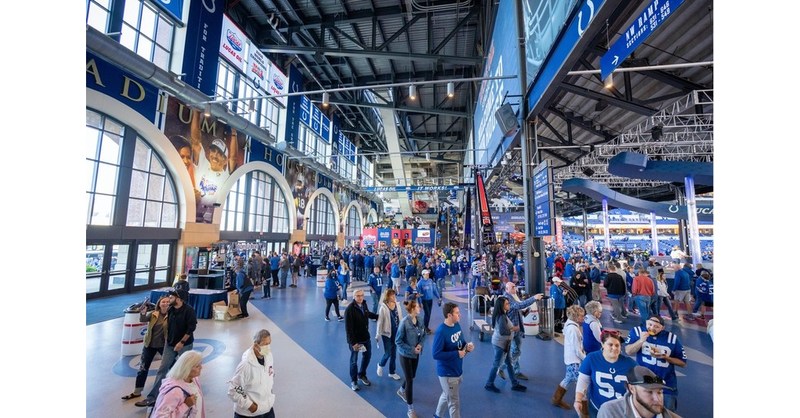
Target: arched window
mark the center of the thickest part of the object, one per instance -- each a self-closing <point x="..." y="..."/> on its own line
<point x="321" y="220"/>
<point x="353" y="226"/>
<point x="256" y="204"/>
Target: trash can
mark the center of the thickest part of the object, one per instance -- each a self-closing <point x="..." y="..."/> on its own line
<point x="133" y="332"/>
<point x="530" y="322"/>
<point x="546" y="318"/>
<point x="322" y="275"/>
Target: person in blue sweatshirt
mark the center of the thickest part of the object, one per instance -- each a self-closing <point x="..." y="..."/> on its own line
<point x="331" y="294"/>
<point x="441" y="274"/>
<point x="375" y="282"/>
<point x="427" y="290"/>
<point x="449" y="350"/>
<point x="681" y="289"/>
<point x="273" y="268"/>
<point x="344" y="277"/>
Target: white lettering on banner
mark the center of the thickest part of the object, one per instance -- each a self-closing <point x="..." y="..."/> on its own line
<point x="701" y="211"/>
<point x="581" y="27"/>
<point x="211" y="9"/>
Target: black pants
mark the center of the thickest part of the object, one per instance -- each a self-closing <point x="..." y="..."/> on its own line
<point x="243" y="298"/>
<point x="274" y="277"/>
<point x="409" y="366"/>
<point x="148" y="353"/>
<point x="334" y="302"/>
<point x="270" y="414"/>
<point x="427" y="307"/>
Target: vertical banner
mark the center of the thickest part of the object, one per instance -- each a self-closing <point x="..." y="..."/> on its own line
<point x="303" y="182"/>
<point x="487" y="226"/>
<point x="200" y="57"/>
<point x="231" y="44"/>
<point x="293" y="106"/>
<point x="211" y="151"/>
<point x="467" y="217"/>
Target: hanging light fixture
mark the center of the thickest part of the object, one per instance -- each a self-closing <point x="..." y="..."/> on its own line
<point x="609" y="81"/>
<point x="326" y="97"/>
<point x="451" y="89"/>
<point x="412" y="92"/>
<point x="251" y="107"/>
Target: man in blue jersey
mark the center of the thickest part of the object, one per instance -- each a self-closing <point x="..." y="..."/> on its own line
<point x="659" y="351"/>
<point x="376" y="285"/>
<point x="449" y="349"/>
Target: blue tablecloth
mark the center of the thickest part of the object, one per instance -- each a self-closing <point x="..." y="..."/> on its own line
<point x="202" y="300"/>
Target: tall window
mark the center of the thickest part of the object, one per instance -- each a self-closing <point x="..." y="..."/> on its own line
<point x="263" y="112"/>
<point x="152" y="195"/>
<point x="98" y="14"/>
<point x="353" y="228"/>
<point x="312" y="145"/>
<point x="257" y="199"/>
<point x="321" y="220"/>
<point x="103" y="154"/>
<point x="226" y="83"/>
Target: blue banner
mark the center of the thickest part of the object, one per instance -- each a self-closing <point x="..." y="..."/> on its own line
<point x="502" y="59"/>
<point x="123" y="86"/>
<point x="173" y="7"/>
<point x="544" y="206"/>
<point x="267" y="154"/>
<point x="577" y="26"/>
<point x="201" y="50"/>
<point x="648" y="21"/>
<point x="293" y="106"/>
<point x="385" y="235"/>
<point x="324" y="182"/>
<point x="312" y="117"/>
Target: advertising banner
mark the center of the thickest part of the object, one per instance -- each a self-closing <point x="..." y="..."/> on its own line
<point x="385" y="235"/>
<point x="258" y="68"/>
<point x="293" y="106"/>
<point x="278" y="83"/>
<point x="135" y="93"/>
<point x="210" y="150"/>
<point x="232" y="43"/>
<point x="173" y="7"/>
<point x="369" y="236"/>
<point x="302" y="180"/>
<point x="422" y="237"/>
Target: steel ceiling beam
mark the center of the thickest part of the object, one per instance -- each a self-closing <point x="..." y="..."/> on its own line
<point x="622" y="104"/>
<point x="368" y="53"/>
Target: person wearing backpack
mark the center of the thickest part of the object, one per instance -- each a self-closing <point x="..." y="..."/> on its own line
<point x="180" y="394"/>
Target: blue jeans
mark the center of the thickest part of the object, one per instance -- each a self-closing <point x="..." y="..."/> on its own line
<point x="516" y="351"/>
<point x="168" y="358"/>
<point x="282" y="275"/>
<point x="344" y="290"/>
<point x="670" y="401"/>
<point x="643" y="303"/>
<point x="376" y="297"/>
<point x="266" y="290"/>
<point x="355" y="371"/>
<point x="499" y="355"/>
<point x="389" y="353"/>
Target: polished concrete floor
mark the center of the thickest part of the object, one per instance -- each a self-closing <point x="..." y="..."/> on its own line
<point x="311" y="366"/>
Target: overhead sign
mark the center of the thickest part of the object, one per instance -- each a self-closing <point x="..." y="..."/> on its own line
<point x="173" y="7"/>
<point x="376" y="189"/>
<point x="544" y="207"/>
<point x="200" y="57"/>
<point x="232" y="44"/>
<point x="648" y="21"/>
<point x="312" y="117"/>
<point x="278" y="84"/>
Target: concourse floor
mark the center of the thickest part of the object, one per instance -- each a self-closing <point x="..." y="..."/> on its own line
<point x="312" y="363"/>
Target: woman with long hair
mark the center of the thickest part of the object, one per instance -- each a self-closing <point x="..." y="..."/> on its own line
<point x="663" y="295"/>
<point x="344" y="277"/>
<point x="501" y="341"/>
<point x="154" y="340"/>
<point x="410" y="338"/>
<point x="389" y="317"/>
<point x="180" y="394"/>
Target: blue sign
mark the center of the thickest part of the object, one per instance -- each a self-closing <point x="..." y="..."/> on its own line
<point x="502" y="59"/>
<point x="312" y="117"/>
<point x="577" y="26"/>
<point x="543" y="220"/>
<point x="324" y="182"/>
<point x="201" y="51"/>
<point x="543" y="201"/>
<point x="267" y="154"/>
<point x="173" y="7"/>
<point x="293" y="111"/>
<point x="135" y="93"/>
<point x="651" y="18"/>
<point x="411" y="188"/>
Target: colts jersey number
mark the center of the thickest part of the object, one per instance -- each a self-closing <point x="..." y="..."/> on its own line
<point x="606" y="388"/>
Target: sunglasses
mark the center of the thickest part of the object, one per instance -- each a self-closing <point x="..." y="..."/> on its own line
<point x="648" y="380"/>
<point x="611" y="332"/>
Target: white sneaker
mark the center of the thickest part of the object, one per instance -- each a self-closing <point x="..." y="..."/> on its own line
<point x="395" y="376"/>
<point x="380" y="370"/>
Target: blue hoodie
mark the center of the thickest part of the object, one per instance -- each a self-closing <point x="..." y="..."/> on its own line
<point x="331" y="290"/>
<point x="427" y="289"/>
<point x="683" y="278"/>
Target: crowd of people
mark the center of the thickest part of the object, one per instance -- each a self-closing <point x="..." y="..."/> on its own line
<point x="604" y="366"/>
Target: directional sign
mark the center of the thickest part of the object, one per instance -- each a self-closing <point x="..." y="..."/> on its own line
<point x="648" y="21"/>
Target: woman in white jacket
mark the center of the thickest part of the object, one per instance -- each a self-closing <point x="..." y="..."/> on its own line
<point x="389" y="317"/>
<point x="250" y="388"/>
<point x="573" y="354"/>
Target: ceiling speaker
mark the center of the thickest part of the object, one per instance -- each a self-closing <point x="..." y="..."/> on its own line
<point x="506" y="119"/>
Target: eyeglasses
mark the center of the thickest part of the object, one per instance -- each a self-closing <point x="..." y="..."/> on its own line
<point x="648" y="380"/>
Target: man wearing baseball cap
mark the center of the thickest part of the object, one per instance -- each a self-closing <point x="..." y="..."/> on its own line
<point x="644" y="399"/>
<point x="181" y="323"/>
<point x="659" y="351"/>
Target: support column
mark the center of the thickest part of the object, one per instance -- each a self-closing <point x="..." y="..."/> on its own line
<point x="606" y="232"/>
<point x="694" y="233"/>
<point x="683" y="239"/>
<point x="653" y="234"/>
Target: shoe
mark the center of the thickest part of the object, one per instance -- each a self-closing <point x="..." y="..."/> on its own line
<point x="492" y="388"/>
<point x="689" y="317"/>
<point x="617" y="321"/>
<point x="519" y="388"/>
<point x="292" y="285"/>
<point x="379" y="372"/>
<point x="675" y="318"/>
<point x="354" y="386"/>
<point x="146" y="402"/>
<point x="428" y="331"/>
<point x="394" y="376"/>
<point x="364" y="380"/>
<point x="502" y="374"/>
<point x="327" y="319"/>
<point x="340" y="319"/>
<point x="440" y="302"/>
<point x="521" y="376"/>
<point x="412" y="414"/>
<point x="131" y="396"/>
<point x="402" y="394"/>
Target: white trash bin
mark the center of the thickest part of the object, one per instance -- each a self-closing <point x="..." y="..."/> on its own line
<point x="133" y="333"/>
<point x="322" y="275"/>
<point x="530" y="321"/>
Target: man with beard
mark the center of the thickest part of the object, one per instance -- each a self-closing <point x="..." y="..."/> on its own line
<point x="644" y="399"/>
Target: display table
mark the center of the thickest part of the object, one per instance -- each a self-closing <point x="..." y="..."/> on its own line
<point x="202" y="300"/>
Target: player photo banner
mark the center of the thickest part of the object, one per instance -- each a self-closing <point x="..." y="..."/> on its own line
<point x="210" y="150"/>
<point x="303" y="182"/>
